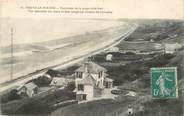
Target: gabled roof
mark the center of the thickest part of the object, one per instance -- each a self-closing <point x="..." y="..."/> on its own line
<point x="88" y="80"/>
<point x="91" y="67"/>
<point x="108" y="79"/>
<point x="30" y="86"/>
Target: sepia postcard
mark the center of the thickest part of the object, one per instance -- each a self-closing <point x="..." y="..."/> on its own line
<point x="92" y="57"/>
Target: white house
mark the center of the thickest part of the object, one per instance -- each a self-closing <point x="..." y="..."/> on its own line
<point x="151" y="40"/>
<point x="109" y="57"/>
<point x="28" y="89"/>
<point x="89" y="81"/>
<point x="172" y="48"/>
<point x="130" y="110"/>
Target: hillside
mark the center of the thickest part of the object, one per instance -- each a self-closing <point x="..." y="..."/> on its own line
<point x="162" y="31"/>
<point x="135" y="75"/>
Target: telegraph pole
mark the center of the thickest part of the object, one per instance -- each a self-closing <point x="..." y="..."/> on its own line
<point x="11" y="69"/>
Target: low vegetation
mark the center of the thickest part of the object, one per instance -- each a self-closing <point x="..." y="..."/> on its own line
<point x="42" y="81"/>
<point x="162" y="108"/>
<point x="104" y="107"/>
<point x="129" y="71"/>
<point x="10" y="96"/>
<point x="136" y="73"/>
<point x="39" y="104"/>
<point x="64" y="72"/>
<point x="134" y="70"/>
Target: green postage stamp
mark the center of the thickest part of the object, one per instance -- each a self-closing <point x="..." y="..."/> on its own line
<point x="164" y="83"/>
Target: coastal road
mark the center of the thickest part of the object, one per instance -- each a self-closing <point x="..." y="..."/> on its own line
<point x="92" y="43"/>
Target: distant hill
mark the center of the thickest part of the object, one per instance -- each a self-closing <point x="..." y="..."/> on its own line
<point x="159" y="30"/>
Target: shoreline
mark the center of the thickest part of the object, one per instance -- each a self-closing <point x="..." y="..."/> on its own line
<point x="22" y="79"/>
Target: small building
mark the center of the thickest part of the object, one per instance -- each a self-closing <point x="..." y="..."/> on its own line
<point x="151" y="40"/>
<point x="130" y="110"/>
<point x="172" y="48"/>
<point x="47" y="76"/>
<point x="28" y="89"/>
<point x="58" y="82"/>
<point x="114" y="49"/>
<point x="89" y="81"/>
<point x="109" y="57"/>
<point x="108" y="83"/>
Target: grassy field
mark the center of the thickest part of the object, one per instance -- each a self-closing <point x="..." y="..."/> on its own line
<point x="95" y="108"/>
<point x="162" y="108"/>
<point x="135" y="75"/>
<point x="140" y="83"/>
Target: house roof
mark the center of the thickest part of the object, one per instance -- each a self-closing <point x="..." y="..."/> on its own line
<point x="109" y="55"/>
<point x="88" y="80"/>
<point x="91" y="67"/>
<point x="108" y="79"/>
<point x="30" y="86"/>
<point x="80" y="92"/>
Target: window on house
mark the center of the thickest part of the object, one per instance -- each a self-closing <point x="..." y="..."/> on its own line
<point x="84" y="97"/>
<point x="81" y="87"/>
<point x="98" y="83"/>
<point x="79" y="74"/>
<point x="100" y="74"/>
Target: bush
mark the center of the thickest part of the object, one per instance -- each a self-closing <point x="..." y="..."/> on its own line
<point x="41" y="104"/>
<point x="159" y="61"/>
<point x="12" y="95"/>
<point x="42" y="81"/>
<point x="34" y="107"/>
<point x="52" y="72"/>
<point x="64" y="72"/>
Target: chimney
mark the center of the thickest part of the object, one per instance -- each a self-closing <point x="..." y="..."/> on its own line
<point x="86" y="67"/>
